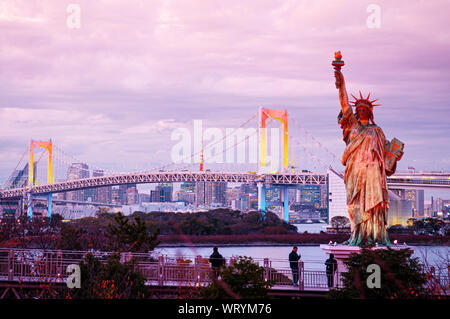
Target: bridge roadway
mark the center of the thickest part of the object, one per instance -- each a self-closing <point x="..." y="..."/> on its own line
<point x="397" y="181"/>
<point x="63" y="201"/>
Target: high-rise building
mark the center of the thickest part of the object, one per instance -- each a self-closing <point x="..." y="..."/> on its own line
<point x="273" y="195"/>
<point x="248" y="197"/>
<point x="167" y="189"/>
<point x="437" y="205"/>
<point x="201" y="191"/>
<point x="324" y="196"/>
<point x="132" y="196"/>
<point x="101" y="194"/>
<point x="232" y="195"/>
<point x="115" y="198"/>
<point x="77" y="171"/>
<point x="162" y="193"/>
<point x="417" y="199"/>
<point x="122" y="193"/>
<point x="188" y="187"/>
<point x="427" y="209"/>
<point x="208" y="193"/>
<point x="219" y="193"/>
<point x="310" y="194"/>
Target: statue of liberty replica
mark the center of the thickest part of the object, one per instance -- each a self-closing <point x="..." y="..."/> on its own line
<point x="368" y="159"/>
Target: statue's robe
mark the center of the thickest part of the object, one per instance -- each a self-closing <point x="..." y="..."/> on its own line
<point x="365" y="180"/>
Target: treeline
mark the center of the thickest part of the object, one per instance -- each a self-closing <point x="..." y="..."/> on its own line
<point x="144" y="231"/>
<point x="426" y="226"/>
<point x="138" y="231"/>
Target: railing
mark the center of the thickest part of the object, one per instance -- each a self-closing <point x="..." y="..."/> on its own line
<point x="24" y="265"/>
<point x="307" y="279"/>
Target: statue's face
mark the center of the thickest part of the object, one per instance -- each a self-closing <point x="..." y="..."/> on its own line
<point x="363" y="113"/>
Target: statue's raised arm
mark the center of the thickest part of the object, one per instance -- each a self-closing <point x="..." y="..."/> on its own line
<point x="340" y="82"/>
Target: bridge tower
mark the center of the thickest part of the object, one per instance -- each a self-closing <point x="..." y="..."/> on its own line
<point x="32" y="180"/>
<point x="282" y="116"/>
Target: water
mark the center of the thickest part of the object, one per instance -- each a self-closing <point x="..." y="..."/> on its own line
<point x="313" y="256"/>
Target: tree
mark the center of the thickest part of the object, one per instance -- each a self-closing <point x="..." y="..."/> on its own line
<point x="41" y="233"/>
<point x="429" y="226"/>
<point x="56" y="221"/>
<point x="214" y="222"/>
<point x="126" y="236"/>
<point x="70" y="238"/>
<point x="400" y="275"/>
<point x="340" y="222"/>
<point x="243" y="278"/>
<point x="113" y="280"/>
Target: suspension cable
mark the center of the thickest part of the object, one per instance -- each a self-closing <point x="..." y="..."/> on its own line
<point x="15" y="169"/>
<point x="209" y="145"/>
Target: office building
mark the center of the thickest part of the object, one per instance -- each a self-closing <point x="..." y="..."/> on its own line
<point x="78" y="171"/>
<point x="132" y="196"/>
<point x="101" y="194"/>
<point x="210" y="194"/>
<point x="311" y="194"/>
<point x="162" y="193"/>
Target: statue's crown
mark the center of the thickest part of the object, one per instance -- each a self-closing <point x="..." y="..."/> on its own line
<point x="363" y="101"/>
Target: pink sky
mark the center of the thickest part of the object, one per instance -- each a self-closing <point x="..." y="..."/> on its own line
<point x="137" y="69"/>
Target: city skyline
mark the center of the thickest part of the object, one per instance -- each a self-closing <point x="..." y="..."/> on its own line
<point x="116" y="87"/>
<point x="310" y="199"/>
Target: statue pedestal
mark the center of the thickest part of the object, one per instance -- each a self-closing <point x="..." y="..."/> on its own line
<point x="342" y="252"/>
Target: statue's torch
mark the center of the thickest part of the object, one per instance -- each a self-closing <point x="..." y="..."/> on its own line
<point x="337" y="63"/>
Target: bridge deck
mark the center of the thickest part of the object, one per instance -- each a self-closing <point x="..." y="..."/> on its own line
<point x="396" y="181"/>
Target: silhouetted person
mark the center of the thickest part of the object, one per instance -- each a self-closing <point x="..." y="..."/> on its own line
<point x="331" y="267"/>
<point x="217" y="261"/>
<point x="293" y="262"/>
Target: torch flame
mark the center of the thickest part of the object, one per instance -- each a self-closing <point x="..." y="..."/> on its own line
<point x="338" y="55"/>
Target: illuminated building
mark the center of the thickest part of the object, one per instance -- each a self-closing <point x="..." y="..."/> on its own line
<point x="101" y="194"/>
<point x="399" y="212"/>
<point x="310" y="194"/>
<point x="162" y="193"/>
<point x="77" y="171"/>
<point x="417" y="199"/>
<point x="209" y="193"/>
<point x="188" y="187"/>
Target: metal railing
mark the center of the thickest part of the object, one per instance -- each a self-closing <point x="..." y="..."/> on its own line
<point x="24" y="265"/>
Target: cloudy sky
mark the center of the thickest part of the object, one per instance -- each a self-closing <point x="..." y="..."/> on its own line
<point x="112" y="91"/>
